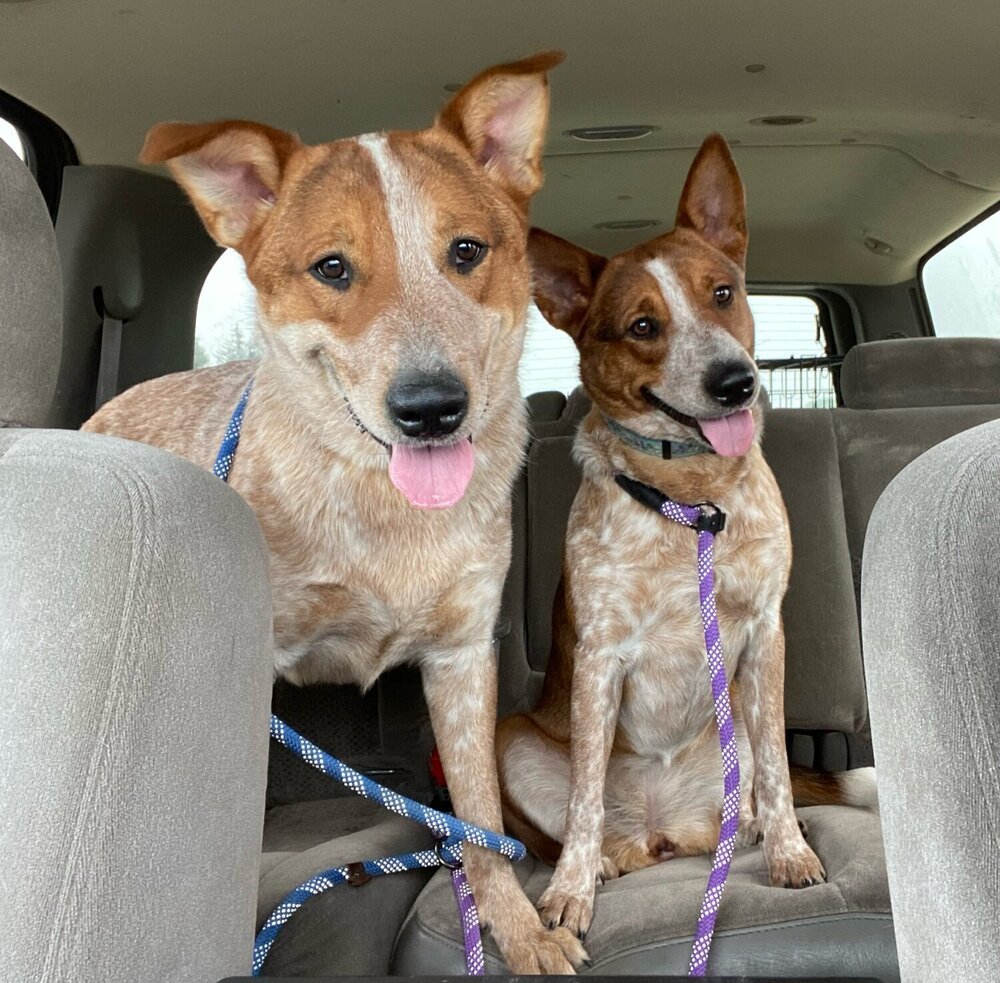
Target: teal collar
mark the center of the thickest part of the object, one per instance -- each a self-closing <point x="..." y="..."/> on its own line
<point x="665" y="449"/>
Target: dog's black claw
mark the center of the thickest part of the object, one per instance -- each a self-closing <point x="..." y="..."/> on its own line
<point x="552" y="924"/>
<point x="581" y="935"/>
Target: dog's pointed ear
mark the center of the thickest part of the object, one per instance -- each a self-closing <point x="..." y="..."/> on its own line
<point x="501" y="116"/>
<point x="564" y="279"/>
<point x="712" y="203"/>
<point x="231" y="170"/>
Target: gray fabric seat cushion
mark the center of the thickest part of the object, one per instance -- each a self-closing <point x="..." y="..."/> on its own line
<point x="347" y="930"/>
<point x="135" y="673"/>
<point x="644" y="922"/>
<point x="932" y="636"/>
<point x="911" y="372"/>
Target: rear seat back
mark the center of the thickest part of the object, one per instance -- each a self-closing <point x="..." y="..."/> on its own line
<point x="832" y="465"/>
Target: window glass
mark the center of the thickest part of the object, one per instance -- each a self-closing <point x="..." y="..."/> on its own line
<point x="226" y="324"/>
<point x="790" y="351"/>
<point x="10" y="136"/>
<point x="962" y="283"/>
<point x="550" y="360"/>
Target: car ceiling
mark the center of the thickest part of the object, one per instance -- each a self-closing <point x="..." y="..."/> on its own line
<point x="904" y="149"/>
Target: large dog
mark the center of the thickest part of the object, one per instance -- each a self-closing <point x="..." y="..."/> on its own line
<point x="385" y="424"/>
<point x="618" y="766"/>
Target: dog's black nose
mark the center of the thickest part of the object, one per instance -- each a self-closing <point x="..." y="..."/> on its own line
<point x="427" y="405"/>
<point x="730" y="383"/>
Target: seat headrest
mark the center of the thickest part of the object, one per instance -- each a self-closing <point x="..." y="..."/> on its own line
<point x="130" y="242"/>
<point x="30" y="299"/>
<point x="546" y="406"/>
<point x="908" y="372"/>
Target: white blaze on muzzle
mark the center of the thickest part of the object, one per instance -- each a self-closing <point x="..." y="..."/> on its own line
<point x="696" y="344"/>
<point x="433" y="475"/>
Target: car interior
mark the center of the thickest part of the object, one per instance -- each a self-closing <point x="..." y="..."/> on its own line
<point x="153" y="845"/>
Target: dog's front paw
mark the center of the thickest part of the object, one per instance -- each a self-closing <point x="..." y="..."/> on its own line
<point x="555" y="952"/>
<point x="797" y="867"/>
<point x="571" y="909"/>
<point x="749" y="833"/>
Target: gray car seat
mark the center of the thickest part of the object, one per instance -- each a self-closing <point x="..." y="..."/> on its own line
<point x="932" y="640"/>
<point x="135" y="670"/>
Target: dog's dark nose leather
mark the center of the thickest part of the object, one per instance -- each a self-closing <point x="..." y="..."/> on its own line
<point x="730" y="383"/>
<point x="427" y="405"/>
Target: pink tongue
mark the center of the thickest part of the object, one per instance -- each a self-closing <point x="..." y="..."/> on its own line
<point x="732" y="435"/>
<point x="434" y="476"/>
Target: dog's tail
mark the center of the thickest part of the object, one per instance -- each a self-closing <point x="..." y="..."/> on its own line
<point x="848" y="788"/>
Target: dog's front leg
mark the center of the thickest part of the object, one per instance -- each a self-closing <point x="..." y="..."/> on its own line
<point x="461" y="690"/>
<point x="596" y="697"/>
<point x="791" y="862"/>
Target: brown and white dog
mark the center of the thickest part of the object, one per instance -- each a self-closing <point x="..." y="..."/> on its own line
<point x="619" y="762"/>
<point x="385" y="425"/>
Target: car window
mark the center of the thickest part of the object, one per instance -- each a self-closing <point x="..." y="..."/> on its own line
<point x="12" y="137"/>
<point x="790" y="350"/>
<point x="962" y="283"/>
<point x="225" y="326"/>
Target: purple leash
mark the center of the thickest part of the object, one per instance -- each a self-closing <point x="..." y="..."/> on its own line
<point x="707" y="520"/>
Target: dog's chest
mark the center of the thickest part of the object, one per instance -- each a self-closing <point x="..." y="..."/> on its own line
<point x="658" y="632"/>
<point x="367" y="599"/>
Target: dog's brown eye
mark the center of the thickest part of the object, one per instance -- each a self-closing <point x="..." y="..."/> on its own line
<point x="723" y="295"/>
<point x="644" y="327"/>
<point x="333" y="271"/>
<point x="466" y="254"/>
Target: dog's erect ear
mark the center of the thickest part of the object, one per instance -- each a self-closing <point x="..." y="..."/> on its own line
<point x="501" y="116"/>
<point x="565" y="276"/>
<point x="231" y="170"/>
<point x="712" y="203"/>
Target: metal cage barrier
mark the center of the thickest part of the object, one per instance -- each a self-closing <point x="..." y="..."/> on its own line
<point x="802" y="383"/>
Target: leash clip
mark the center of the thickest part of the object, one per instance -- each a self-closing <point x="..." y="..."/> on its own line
<point x="357" y="875"/>
<point x="713" y="522"/>
<point x="446" y="860"/>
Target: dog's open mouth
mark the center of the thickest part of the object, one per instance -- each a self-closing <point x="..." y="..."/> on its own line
<point x="432" y="476"/>
<point x="729" y="436"/>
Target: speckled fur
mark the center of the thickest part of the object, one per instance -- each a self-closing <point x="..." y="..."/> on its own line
<point x="361" y="581"/>
<point x="619" y="762"/>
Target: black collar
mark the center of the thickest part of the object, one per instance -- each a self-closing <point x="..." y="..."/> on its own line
<point x="712" y="518"/>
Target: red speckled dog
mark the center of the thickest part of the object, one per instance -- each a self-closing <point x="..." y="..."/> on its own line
<point x="385" y="426"/>
<point x="618" y="766"/>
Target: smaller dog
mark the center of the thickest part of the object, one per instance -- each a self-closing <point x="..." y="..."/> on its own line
<point x="619" y="762"/>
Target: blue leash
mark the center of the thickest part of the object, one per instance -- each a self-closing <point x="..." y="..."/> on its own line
<point x="450" y="831"/>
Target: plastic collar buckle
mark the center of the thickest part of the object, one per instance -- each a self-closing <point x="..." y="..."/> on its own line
<point x="712" y="518"/>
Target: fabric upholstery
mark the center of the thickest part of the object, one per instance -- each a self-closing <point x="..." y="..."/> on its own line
<point x="921" y="372"/>
<point x="134" y="237"/>
<point x="824" y="683"/>
<point x="546" y="406"/>
<point x="347" y="930"/>
<point x="30" y="299"/>
<point x="875" y="445"/>
<point x="931" y="627"/>
<point x="135" y="674"/>
<point x="644" y="922"/>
